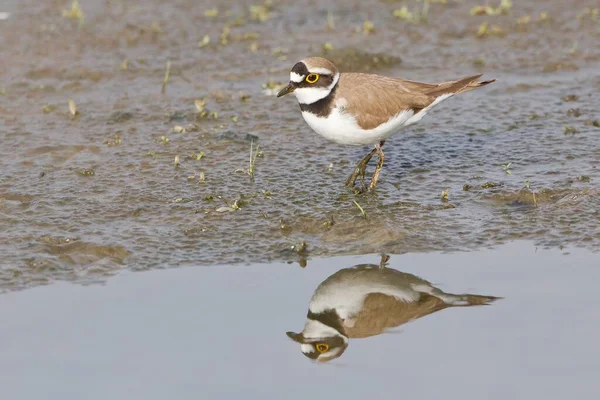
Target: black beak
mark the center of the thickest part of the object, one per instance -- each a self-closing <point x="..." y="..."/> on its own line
<point x="296" y="337"/>
<point x="288" y="89"/>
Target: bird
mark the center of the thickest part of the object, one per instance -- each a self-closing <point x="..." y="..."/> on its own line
<point x="352" y="108"/>
<point x="366" y="300"/>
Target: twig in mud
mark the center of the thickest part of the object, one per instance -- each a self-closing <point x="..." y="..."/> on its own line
<point x="166" y="78"/>
<point x="252" y="161"/>
<point x="532" y="192"/>
<point x="330" y="21"/>
<point x="364" y="214"/>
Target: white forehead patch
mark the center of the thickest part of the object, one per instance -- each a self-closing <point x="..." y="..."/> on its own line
<point x="307" y="348"/>
<point x="319" y="70"/>
<point x="294" y="77"/>
<point x="317" y="330"/>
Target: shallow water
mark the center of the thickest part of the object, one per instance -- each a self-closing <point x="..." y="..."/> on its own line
<point x="83" y="197"/>
<point x="219" y="333"/>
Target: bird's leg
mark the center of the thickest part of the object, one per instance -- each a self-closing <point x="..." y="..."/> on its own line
<point x="379" y="165"/>
<point x="360" y="168"/>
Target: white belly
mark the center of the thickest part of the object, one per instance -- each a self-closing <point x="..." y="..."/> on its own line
<point x="341" y="127"/>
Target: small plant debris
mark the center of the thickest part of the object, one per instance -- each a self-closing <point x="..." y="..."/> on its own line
<point x="48" y="108"/>
<point x="260" y="13"/>
<point x="252" y="162"/>
<point x="503" y="8"/>
<point x="212" y="13"/>
<point x="417" y="16"/>
<point x="166" y="77"/>
<point x="330" y="21"/>
<point x="367" y="28"/>
<point x="527" y="186"/>
<point x="86" y="172"/>
<point x="75" y="12"/>
<point x="362" y="211"/>
<point x="445" y="193"/>
<point x="490" y="185"/>
<point x="72" y="108"/>
<point x="488" y="30"/>
<point x="204" y="42"/>
<point x="570" y="97"/>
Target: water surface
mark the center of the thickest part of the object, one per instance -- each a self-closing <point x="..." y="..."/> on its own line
<point x="220" y="333"/>
<point x="84" y="197"/>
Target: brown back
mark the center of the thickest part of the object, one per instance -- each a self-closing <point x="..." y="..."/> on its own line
<point x="374" y="99"/>
<point x="381" y="312"/>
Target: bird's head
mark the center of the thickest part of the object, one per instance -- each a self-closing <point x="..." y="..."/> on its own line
<point x="311" y="80"/>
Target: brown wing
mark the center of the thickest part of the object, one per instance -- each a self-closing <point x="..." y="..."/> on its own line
<point x="458" y="86"/>
<point x="380" y="312"/>
<point x="374" y="99"/>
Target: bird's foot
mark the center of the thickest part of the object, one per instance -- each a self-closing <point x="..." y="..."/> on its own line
<point x="360" y="170"/>
<point x="377" y="169"/>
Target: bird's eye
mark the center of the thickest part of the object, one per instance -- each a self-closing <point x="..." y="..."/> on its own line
<point x="312" y="78"/>
<point x="322" y="347"/>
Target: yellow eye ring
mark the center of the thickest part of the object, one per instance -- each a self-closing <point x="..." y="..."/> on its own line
<point x="322" y="347"/>
<point x="312" y="78"/>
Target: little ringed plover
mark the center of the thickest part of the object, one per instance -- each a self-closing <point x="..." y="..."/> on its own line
<point x="367" y="300"/>
<point x="364" y="109"/>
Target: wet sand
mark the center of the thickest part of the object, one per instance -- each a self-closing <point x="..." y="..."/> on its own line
<point x="84" y="197"/>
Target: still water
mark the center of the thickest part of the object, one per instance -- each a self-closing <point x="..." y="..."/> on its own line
<point x="220" y="333"/>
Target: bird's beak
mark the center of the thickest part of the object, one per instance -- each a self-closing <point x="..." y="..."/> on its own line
<point x="296" y="337"/>
<point x="288" y="89"/>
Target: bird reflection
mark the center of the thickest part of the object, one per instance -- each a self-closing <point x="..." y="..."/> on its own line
<point x="364" y="301"/>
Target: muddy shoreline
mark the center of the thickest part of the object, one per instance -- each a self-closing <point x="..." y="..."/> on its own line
<point x="139" y="179"/>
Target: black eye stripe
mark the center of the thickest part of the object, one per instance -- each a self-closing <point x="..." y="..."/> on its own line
<point x="323" y="81"/>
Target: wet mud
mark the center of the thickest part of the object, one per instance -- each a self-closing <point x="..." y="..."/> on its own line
<point x="174" y="150"/>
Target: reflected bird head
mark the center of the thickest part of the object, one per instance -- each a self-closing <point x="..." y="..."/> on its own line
<point x="321" y="349"/>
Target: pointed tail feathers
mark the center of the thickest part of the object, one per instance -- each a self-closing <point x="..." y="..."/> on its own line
<point x="475" y="85"/>
<point x="476" y="300"/>
<point x="459" y="86"/>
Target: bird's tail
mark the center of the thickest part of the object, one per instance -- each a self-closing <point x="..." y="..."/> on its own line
<point x="459" y="86"/>
<point x="456" y="300"/>
<point x="476" y="84"/>
<point x="466" y="300"/>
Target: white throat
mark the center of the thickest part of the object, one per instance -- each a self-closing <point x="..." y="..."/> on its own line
<point x="311" y="95"/>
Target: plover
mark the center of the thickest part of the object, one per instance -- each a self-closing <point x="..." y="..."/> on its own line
<point x="364" y="109"/>
<point x="366" y="300"/>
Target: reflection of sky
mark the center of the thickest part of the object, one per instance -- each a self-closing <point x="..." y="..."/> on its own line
<point x="220" y="333"/>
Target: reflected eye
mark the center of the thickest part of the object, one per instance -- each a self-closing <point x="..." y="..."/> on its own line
<point x="322" y="347"/>
<point x="312" y="78"/>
